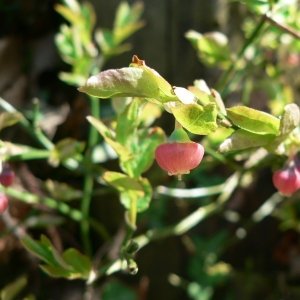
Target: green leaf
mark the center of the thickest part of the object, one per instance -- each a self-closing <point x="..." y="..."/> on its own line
<point x="40" y="249"/>
<point x="73" y="17"/>
<point x="126" y="21"/>
<point x="79" y="262"/>
<point x="130" y="189"/>
<point x="212" y="48"/>
<point x="203" y="96"/>
<point x="62" y="191"/>
<point x="54" y="271"/>
<point x="289" y="121"/>
<point x="9" y="118"/>
<point x="64" y="149"/>
<point x="253" y="120"/>
<point x="71" y="264"/>
<point x="120" y="34"/>
<point x="136" y="81"/>
<point x="195" y="118"/>
<point x="143" y="151"/>
<point x="122" y="151"/>
<point x="128" y="122"/>
<point x="242" y="139"/>
<point x="10" y="291"/>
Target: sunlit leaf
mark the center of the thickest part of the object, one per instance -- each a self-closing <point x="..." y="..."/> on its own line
<point x="136" y="81"/>
<point x="289" y="121"/>
<point x="195" y="118"/>
<point x="212" y="48"/>
<point x="253" y="120"/>
<point x="137" y="190"/>
<point x="242" y="139"/>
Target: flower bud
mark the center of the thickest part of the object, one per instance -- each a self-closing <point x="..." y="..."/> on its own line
<point x="3" y="203"/>
<point x="180" y="155"/>
<point x="287" y="180"/>
<point x="7" y="176"/>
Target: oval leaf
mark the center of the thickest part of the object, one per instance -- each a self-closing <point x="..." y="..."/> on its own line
<point x="195" y="118"/>
<point x="242" y="139"/>
<point x="130" y="188"/>
<point x="253" y="120"/>
<point x="138" y="80"/>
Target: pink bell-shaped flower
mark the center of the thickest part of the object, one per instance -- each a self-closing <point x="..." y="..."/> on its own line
<point x="287" y="180"/>
<point x="7" y="176"/>
<point x="3" y="203"/>
<point x="180" y="155"/>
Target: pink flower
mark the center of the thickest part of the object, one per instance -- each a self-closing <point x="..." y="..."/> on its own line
<point x="7" y="176"/>
<point x="287" y="180"/>
<point x="179" y="158"/>
<point x="3" y="203"/>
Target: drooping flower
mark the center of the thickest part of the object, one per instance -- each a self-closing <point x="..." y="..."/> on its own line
<point x="7" y="176"/>
<point x="3" y="203"/>
<point x="287" y="179"/>
<point x="179" y="155"/>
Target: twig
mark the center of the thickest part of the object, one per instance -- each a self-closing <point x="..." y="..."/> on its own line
<point x="284" y="28"/>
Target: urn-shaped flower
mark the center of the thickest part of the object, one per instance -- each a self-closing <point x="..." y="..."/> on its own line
<point x="179" y="155"/>
<point x="3" y="203"/>
<point x="287" y="179"/>
<point x="7" y="175"/>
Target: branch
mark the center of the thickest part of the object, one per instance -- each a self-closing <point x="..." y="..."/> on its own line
<point x="284" y="28"/>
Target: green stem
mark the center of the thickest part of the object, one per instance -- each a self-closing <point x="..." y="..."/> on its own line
<point x="194" y="218"/>
<point x="181" y="227"/>
<point x="133" y="213"/>
<point x="89" y="180"/>
<point x="62" y="207"/>
<point x="225" y="81"/>
<point x="33" y="131"/>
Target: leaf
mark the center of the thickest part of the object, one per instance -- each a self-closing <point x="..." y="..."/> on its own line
<point x="203" y="96"/>
<point x="136" y="81"/>
<point x="122" y="151"/>
<point x="71" y="264"/>
<point x="79" y="262"/>
<point x="72" y="16"/>
<point x="195" y="118"/>
<point x="126" y="20"/>
<point x="9" y="118"/>
<point x="54" y="271"/>
<point x="128" y="121"/>
<point x="253" y="120"/>
<point x="212" y="48"/>
<point x="62" y="191"/>
<point x="10" y="291"/>
<point x="242" y="139"/>
<point x="64" y="149"/>
<point x="39" y="249"/>
<point x="289" y="121"/>
<point x="130" y="189"/>
<point x="143" y="151"/>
